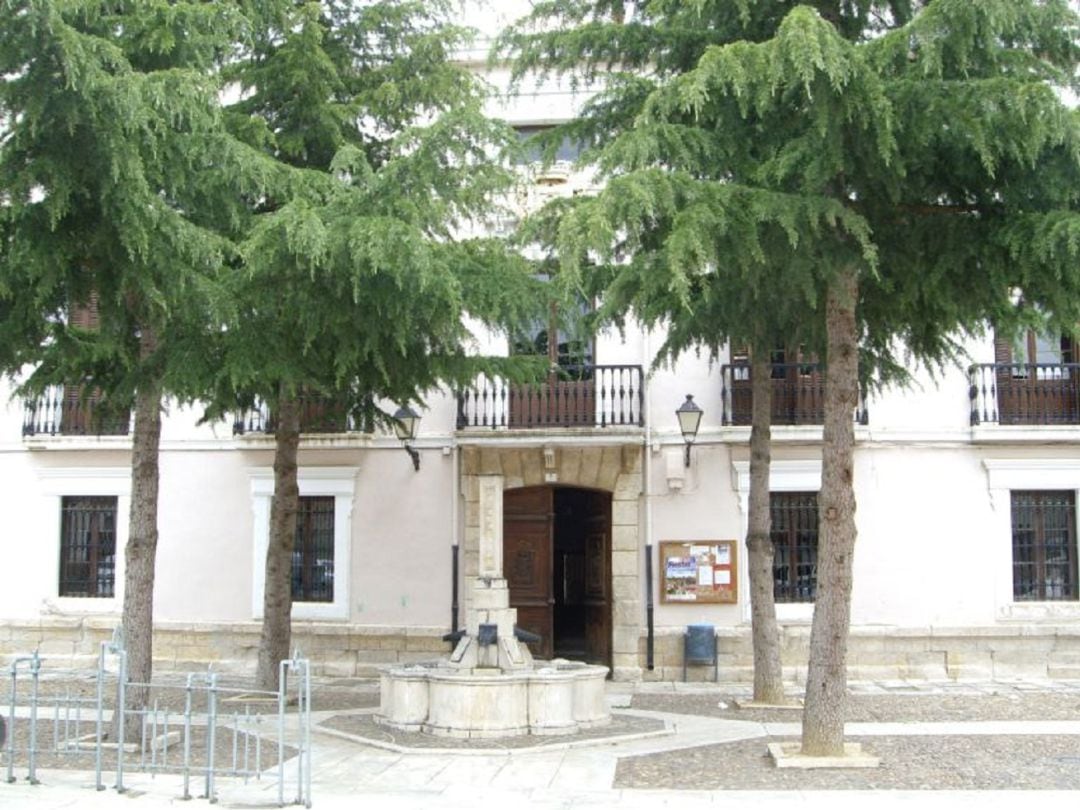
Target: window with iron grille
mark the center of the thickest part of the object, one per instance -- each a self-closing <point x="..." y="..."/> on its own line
<point x="87" y="546"/>
<point x="795" y="541"/>
<point x="1044" y="545"/>
<point x="313" y="550"/>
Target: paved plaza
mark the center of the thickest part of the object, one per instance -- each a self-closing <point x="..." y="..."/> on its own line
<point x="682" y="746"/>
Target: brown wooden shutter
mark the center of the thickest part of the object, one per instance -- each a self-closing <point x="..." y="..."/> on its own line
<point x="85" y="315"/>
<point x="1003" y="353"/>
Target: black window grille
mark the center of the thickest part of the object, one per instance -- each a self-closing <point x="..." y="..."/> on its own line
<point x="795" y="542"/>
<point x="87" y="546"/>
<point x="313" y="551"/>
<point x="1044" y="545"/>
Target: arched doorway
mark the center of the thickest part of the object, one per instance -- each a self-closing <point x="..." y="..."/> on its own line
<point x="557" y="562"/>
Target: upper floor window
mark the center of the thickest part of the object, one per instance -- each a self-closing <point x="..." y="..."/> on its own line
<point x="87" y="546"/>
<point x="1042" y="350"/>
<point x="571" y="350"/>
<point x="568" y="150"/>
<point x="1044" y="545"/>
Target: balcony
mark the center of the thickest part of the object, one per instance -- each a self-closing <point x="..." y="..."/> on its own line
<point x="584" y="396"/>
<point x="798" y="395"/>
<point x="64" y="410"/>
<point x="317" y="415"/>
<point x="1025" y="393"/>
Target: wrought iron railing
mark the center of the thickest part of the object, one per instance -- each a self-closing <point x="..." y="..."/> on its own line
<point x="317" y="415"/>
<point x="571" y="397"/>
<point x="798" y="395"/>
<point x="65" y="410"/>
<point x="1025" y="393"/>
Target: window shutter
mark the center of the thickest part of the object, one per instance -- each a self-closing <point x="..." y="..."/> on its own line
<point x="85" y="315"/>
<point x="1003" y="353"/>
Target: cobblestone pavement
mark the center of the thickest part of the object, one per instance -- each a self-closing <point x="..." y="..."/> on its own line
<point x="963" y="754"/>
<point x="941" y="745"/>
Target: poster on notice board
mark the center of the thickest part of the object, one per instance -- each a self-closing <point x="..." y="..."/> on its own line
<point x="698" y="572"/>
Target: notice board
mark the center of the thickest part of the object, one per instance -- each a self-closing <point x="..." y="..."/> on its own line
<point x="698" y="572"/>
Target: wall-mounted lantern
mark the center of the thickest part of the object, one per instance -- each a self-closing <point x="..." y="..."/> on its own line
<point x="689" y="416"/>
<point x="406" y="425"/>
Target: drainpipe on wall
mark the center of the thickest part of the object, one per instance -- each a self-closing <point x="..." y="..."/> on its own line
<point x="455" y="539"/>
<point x="646" y="469"/>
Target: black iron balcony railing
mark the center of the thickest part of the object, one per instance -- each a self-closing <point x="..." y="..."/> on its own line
<point x="572" y="396"/>
<point x="1025" y="393"/>
<point x="798" y="395"/>
<point x="317" y="415"/>
<point x="64" y="410"/>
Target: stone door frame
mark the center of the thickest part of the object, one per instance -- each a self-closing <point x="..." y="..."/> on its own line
<point x="487" y="471"/>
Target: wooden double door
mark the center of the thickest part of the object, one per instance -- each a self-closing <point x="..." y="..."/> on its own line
<point x="557" y="562"/>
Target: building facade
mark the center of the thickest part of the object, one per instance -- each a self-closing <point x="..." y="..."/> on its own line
<point x="615" y="537"/>
<point x="966" y="563"/>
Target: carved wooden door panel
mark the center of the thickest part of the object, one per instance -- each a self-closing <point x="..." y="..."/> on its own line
<point x="598" y="580"/>
<point x="527" y="562"/>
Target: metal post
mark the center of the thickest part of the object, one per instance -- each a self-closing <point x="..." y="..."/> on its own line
<point x="187" y="738"/>
<point x="11" y="725"/>
<point x="35" y="670"/>
<point x="121" y="706"/>
<point x="211" y="737"/>
<point x="34" y="662"/>
<point x="305" y="723"/>
<point x="99" y="731"/>
<point x="282" y="670"/>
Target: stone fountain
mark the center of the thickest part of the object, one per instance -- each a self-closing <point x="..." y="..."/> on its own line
<point x="491" y="686"/>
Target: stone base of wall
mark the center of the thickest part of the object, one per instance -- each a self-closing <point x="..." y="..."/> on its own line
<point x="334" y="649"/>
<point x="874" y="653"/>
<point x="889" y="653"/>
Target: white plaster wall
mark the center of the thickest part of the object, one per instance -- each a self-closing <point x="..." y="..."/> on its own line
<point x="11" y="418"/>
<point x="932" y="404"/>
<point x="204" y="558"/>
<point x="926" y="552"/>
<point x="402" y="539"/>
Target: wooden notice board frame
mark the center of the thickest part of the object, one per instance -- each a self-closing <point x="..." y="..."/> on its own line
<point x="699" y="572"/>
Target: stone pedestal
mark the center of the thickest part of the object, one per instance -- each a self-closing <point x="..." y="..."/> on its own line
<point x="490" y="606"/>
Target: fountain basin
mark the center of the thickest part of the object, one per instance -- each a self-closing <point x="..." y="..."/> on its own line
<point x="556" y="697"/>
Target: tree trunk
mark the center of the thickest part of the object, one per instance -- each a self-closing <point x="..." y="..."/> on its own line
<point x="277" y="596"/>
<point x="768" y="673"/>
<point x="826" y="683"/>
<point x="138" y="613"/>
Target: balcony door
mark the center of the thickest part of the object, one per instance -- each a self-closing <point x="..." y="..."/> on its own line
<point x="798" y="388"/>
<point x="1037" y="380"/>
<point x="567" y="397"/>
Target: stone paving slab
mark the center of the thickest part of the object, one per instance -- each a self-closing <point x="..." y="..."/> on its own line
<point x="984" y="771"/>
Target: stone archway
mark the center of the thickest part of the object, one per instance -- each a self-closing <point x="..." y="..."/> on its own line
<point x="487" y="471"/>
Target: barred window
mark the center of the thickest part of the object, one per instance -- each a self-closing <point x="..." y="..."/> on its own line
<point x="87" y="546"/>
<point x="1044" y="545"/>
<point x="313" y="550"/>
<point x="795" y="542"/>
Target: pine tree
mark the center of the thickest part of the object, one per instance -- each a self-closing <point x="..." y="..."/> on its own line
<point x="118" y="186"/>
<point x="357" y="293"/>
<point x="878" y="172"/>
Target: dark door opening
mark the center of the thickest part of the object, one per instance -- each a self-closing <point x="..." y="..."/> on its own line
<point x="557" y="558"/>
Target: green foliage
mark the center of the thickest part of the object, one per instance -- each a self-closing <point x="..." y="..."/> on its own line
<point x="359" y="291"/>
<point x="117" y="182"/>
<point x="767" y="145"/>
